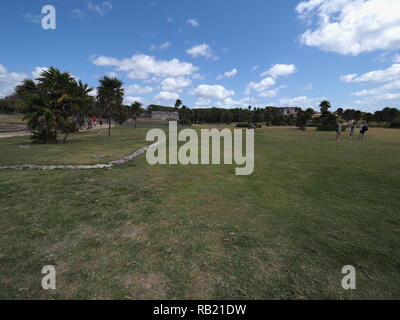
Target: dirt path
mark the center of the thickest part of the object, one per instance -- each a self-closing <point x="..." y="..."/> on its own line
<point x="14" y="134"/>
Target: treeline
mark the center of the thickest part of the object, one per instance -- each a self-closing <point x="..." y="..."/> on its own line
<point x="270" y="115"/>
<point x="57" y="103"/>
<point x="327" y="121"/>
<point x="273" y="116"/>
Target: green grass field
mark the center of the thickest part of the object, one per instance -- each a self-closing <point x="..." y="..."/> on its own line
<point x="11" y="122"/>
<point x="136" y="231"/>
<point x="81" y="148"/>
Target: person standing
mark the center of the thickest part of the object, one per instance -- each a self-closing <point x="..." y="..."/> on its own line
<point x="363" y="129"/>
<point x="352" y="128"/>
<point x="338" y="130"/>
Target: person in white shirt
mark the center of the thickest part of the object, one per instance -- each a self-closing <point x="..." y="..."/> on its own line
<point x="338" y="131"/>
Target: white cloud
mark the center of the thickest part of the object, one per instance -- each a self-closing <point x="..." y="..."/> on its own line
<point x="129" y="100"/>
<point x="212" y="91"/>
<point x="33" y="18"/>
<point x="175" y="84"/>
<point x="203" y="103"/>
<point x="350" y="27"/>
<point x="193" y="22"/>
<point x="228" y="74"/>
<point x="260" y="86"/>
<point x="396" y="58"/>
<point x="279" y="70"/>
<point x="9" y="80"/>
<point x="224" y="103"/>
<point x="112" y="74"/>
<point x="389" y="74"/>
<point x="229" y="102"/>
<point x="166" y="96"/>
<point x="308" y="87"/>
<point x="93" y="93"/>
<point x="38" y="72"/>
<point x="163" y="46"/>
<point x="100" y="7"/>
<point x="373" y="100"/>
<point x="201" y="50"/>
<point x="140" y="66"/>
<point x="77" y="13"/>
<point x="376" y="91"/>
<point x="269" y="93"/>
<point x="348" y="77"/>
<point x="306" y="6"/>
<point x="373" y="96"/>
<point x="198" y="76"/>
<point x="255" y="68"/>
<point x="301" y="102"/>
<point x="137" y="89"/>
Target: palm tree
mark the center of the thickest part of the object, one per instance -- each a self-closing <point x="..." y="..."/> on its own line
<point x="41" y="118"/>
<point x="55" y="85"/>
<point x="81" y="102"/>
<point x="56" y="101"/>
<point x="59" y="88"/>
<point x="26" y="89"/>
<point x="324" y="105"/>
<point x="110" y="94"/>
<point x="178" y="103"/>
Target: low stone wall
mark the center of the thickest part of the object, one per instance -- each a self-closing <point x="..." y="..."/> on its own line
<point x="80" y="167"/>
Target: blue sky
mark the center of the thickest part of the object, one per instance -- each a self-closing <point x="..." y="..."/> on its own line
<point x="226" y="53"/>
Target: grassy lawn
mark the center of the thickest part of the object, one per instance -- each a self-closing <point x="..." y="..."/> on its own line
<point x="81" y="148"/>
<point x="11" y="122"/>
<point x="136" y="231"/>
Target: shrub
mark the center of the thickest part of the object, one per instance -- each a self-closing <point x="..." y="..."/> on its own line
<point x="328" y="122"/>
<point x="246" y="125"/>
<point x="395" y="123"/>
<point x="185" y="122"/>
<point x="376" y="124"/>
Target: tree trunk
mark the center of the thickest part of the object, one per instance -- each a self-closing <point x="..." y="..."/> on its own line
<point x="65" y="137"/>
<point x="109" y="126"/>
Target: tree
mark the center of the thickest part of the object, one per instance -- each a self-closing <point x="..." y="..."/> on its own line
<point x="58" y="89"/>
<point x="357" y="115"/>
<point x="178" y="103"/>
<point x="42" y="120"/>
<point x="367" y="116"/>
<point x="81" y="104"/>
<point x="328" y="122"/>
<point x="26" y="89"/>
<point x="228" y="117"/>
<point x="348" y="114"/>
<point x="110" y="95"/>
<point x="303" y="117"/>
<point x="53" y="104"/>
<point x="136" y="108"/>
<point x="339" y="112"/>
<point x="325" y="105"/>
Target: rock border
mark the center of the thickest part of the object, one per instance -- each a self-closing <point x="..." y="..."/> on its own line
<point x="114" y="163"/>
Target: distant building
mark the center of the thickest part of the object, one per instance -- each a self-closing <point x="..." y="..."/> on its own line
<point x="164" y="115"/>
<point x="287" y="111"/>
